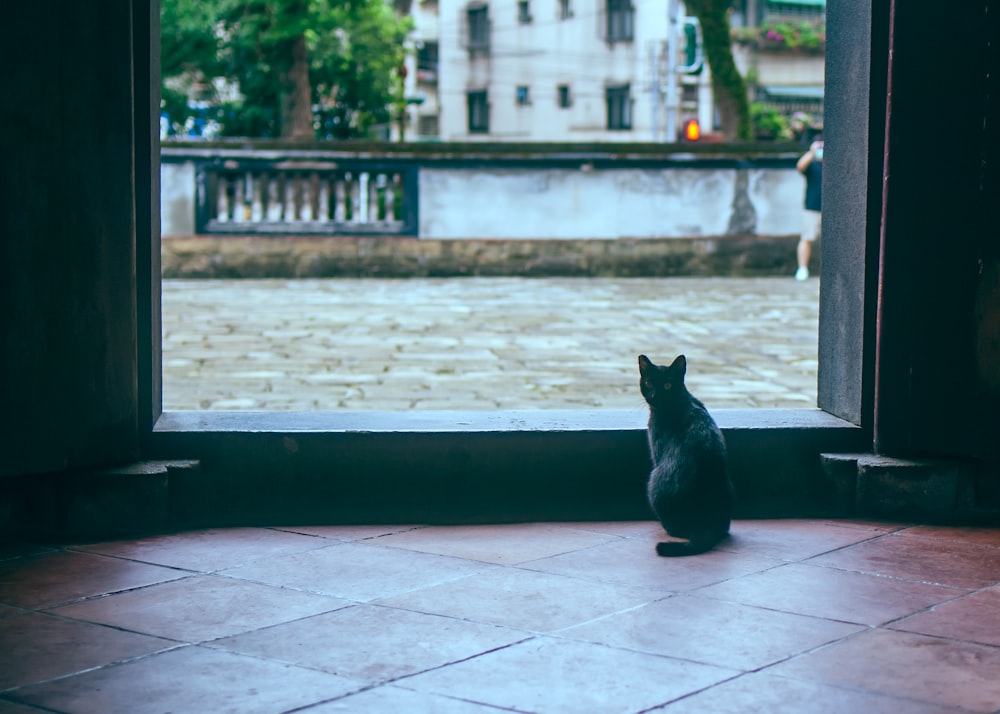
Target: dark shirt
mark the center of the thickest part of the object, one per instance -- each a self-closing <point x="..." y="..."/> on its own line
<point x="814" y="186"/>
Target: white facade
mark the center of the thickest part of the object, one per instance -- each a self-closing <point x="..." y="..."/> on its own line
<point x="423" y="71"/>
<point x="568" y="70"/>
<point x="549" y="70"/>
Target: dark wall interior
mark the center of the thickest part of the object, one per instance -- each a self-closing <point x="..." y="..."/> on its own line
<point x="938" y="372"/>
<point x="915" y="322"/>
<point x="67" y="225"/>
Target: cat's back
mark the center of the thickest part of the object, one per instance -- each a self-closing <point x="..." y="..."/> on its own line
<point x="693" y="427"/>
<point x="687" y="454"/>
<point x="703" y="430"/>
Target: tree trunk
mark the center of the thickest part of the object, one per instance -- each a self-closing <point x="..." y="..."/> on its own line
<point x="727" y="84"/>
<point x="296" y="94"/>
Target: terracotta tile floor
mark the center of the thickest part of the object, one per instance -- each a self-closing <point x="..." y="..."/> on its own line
<point x="791" y="616"/>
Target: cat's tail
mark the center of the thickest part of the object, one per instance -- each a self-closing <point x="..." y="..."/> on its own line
<point x="700" y="542"/>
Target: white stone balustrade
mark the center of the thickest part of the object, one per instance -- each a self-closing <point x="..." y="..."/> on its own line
<point x="325" y="201"/>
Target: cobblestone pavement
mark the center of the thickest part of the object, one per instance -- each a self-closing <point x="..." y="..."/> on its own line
<point x="483" y="343"/>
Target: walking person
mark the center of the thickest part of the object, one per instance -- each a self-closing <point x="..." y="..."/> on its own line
<point x="810" y="165"/>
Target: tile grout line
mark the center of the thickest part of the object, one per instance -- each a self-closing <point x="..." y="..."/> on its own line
<point x="107" y="665"/>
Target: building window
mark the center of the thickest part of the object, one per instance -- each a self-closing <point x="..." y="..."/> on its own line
<point x="790" y="99"/>
<point x="427" y="62"/>
<point x="565" y="10"/>
<point x="477" y="28"/>
<point x="523" y="98"/>
<point x="523" y="12"/>
<point x="794" y="11"/>
<point x="619" y="107"/>
<point x="427" y="125"/>
<point x="563" y="97"/>
<point x="620" y="16"/>
<point x="479" y="112"/>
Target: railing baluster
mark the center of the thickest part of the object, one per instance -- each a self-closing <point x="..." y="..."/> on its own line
<point x="246" y="188"/>
<point x="378" y="197"/>
<point x="309" y="202"/>
<point x="273" y="202"/>
<point x="288" y="205"/>
<point x="294" y="206"/>
<point x="239" y="200"/>
<point x="323" y="199"/>
<point x="397" y="191"/>
<point x="364" y="196"/>
<point x="222" y="199"/>
<point x="318" y="192"/>
<point x="317" y="198"/>
<point x="355" y="200"/>
<point x="257" y="200"/>
<point x="339" y="199"/>
<point x="390" y="198"/>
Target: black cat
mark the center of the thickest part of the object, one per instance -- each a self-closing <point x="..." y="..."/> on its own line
<point x="689" y="487"/>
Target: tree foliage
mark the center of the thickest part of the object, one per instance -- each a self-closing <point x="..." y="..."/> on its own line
<point x="302" y="67"/>
<point x="728" y="87"/>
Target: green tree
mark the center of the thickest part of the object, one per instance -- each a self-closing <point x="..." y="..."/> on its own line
<point x="727" y="84"/>
<point x="287" y="57"/>
<point x="188" y="51"/>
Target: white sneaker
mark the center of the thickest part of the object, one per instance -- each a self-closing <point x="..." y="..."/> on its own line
<point x="802" y="274"/>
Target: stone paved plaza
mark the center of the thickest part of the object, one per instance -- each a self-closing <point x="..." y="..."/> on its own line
<point x="483" y="343"/>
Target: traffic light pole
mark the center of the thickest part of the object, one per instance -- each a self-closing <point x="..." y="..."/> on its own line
<point x="673" y="100"/>
<point x="654" y="73"/>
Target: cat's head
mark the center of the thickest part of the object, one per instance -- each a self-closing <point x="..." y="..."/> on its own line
<point x="660" y="384"/>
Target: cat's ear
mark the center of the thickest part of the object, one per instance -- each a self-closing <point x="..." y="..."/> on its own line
<point x="644" y="364"/>
<point x="680" y="365"/>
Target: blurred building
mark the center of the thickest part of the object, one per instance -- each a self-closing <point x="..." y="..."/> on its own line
<point x="779" y="47"/>
<point x="595" y="70"/>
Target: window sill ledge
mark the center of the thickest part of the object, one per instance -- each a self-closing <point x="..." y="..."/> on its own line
<point x="438" y="466"/>
<point x="458" y="422"/>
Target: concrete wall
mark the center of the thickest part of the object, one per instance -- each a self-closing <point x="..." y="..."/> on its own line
<point x="177" y="198"/>
<point x="631" y="203"/>
<point x="571" y="203"/>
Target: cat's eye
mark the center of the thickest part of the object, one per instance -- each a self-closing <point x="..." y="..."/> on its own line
<point x="667" y="385"/>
